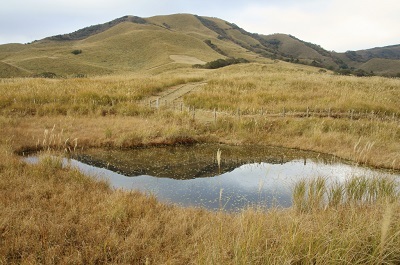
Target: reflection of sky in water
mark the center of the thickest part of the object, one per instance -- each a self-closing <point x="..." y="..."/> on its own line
<point x="260" y="184"/>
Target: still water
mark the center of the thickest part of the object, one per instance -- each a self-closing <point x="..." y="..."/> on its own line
<point x="190" y="176"/>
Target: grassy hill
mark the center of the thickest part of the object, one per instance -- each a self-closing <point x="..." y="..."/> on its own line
<point x="389" y="52"/>
<point x="123" y="45"/>
<point x="380" y="60"/>
<point x="382" y="66"/>
<point x="132" y="44"/>
<point x="296" y="49"/>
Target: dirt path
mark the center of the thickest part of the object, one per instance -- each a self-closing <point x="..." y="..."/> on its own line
<point x="17" y="67"/>
<point x="180" y="59"/>
<point x="186" y="59"/>
<point x="172" y="99"/>
<point x="174" y="95"/>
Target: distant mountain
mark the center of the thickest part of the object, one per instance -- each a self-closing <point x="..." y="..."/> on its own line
<point x="157" y="43"/>
<point x="389" y="52"/>
<point x="381" y="60"/>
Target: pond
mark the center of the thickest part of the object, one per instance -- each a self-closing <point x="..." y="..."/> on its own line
<point x="190" y="176"/>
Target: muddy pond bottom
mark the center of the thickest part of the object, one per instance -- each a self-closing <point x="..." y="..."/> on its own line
<point x="263" y="177"/>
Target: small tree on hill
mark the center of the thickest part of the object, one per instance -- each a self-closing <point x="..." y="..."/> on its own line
<point x="76" y="52"/>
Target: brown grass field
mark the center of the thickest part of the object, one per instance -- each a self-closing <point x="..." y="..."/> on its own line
<point x="56" y="215"/>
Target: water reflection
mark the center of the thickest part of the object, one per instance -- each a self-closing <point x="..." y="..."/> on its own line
<point x="193" y="162"/>
<point x="189" y="176"/>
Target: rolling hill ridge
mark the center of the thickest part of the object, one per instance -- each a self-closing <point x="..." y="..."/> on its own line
<point x="132" y="43"/>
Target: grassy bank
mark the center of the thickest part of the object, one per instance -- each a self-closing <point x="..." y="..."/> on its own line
<point x="366" y="142"/>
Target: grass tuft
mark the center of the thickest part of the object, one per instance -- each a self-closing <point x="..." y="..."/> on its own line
<point x="316" y="194"/>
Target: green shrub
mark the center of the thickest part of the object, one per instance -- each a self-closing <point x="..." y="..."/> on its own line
<point x="46" y="75"/>
<point x="76" y="52"/>
<point x="221" y="63"/>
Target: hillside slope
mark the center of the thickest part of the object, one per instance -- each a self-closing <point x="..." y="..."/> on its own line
<point x="126" y="46"/>
<point x="136" y="44"/>
<point x="380" y="60"/>
<point x="123" y="45"/>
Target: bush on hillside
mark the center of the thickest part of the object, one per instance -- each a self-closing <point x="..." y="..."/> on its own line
<point x="80" y="75"/>
<point x="166" y="26"/>
<point x="76" y="52"/>
<point x="354" y="72"/>
<point x="215" y="47"/>
<point x="46" y="75"/>
<point x="221" y="63"/>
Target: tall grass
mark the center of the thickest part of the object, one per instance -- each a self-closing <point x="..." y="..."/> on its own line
<point x="309" y="195"/>
<point x="271" y="88"/>
<point x="365" y="142"/>
<point x="219" y="152"/>
<point x="52" y="214"/>
<point x="316" y="194"/>
<point x="99" y="96"/>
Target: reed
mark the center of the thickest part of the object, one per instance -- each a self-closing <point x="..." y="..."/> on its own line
<point x="335" y="195"/>
<point x="299" y="200"/>
<point x="369" y="190"/>
<point x="316" y="194"/>
<point x="385" y="227"/>
<point x="308" y="195"/>
<point x="219" y="160"/>
<point x="48" y="162"/>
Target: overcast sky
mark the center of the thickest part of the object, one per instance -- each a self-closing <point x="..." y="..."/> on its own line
<point x="338" y="25"/>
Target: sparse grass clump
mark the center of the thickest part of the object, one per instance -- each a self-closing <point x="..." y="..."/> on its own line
<point x="309" y="195"/>
<point x="316" y="194"/>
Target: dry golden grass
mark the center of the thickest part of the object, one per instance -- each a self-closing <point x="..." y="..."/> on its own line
<point x="114" y="111"/>
<point x="27" y="134"/>
<point x="125" y="47"/>
<point x="55" y="215"/>
<point x="58" y="216"/>
<point x="102" y="95"/>
<point x="373" y="143"/>
<point x="273" y="87"/>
